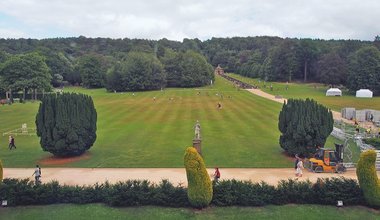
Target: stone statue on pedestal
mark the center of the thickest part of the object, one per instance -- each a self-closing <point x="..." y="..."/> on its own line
<point x="197" y="142"/>
<point x="197" y="130"/>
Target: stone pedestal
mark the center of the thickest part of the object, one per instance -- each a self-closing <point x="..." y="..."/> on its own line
<point x="197" y="144"/>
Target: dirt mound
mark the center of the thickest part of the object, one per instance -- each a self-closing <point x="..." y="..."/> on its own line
<point x="53" y="160"/>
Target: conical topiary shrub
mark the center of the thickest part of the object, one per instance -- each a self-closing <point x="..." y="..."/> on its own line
<point x="367" y="176"/>
<point x="199" y="190"/>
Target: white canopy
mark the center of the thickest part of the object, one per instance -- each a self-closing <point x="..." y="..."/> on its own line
<point x="364" y="93"/>
<point x="334" y="92"/>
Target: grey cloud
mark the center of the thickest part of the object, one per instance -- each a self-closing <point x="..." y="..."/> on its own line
<point x="350" y="19"/>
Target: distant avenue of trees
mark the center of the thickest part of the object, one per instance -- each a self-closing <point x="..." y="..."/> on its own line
<point x="136" y="64"/>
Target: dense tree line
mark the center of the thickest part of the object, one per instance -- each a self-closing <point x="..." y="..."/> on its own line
<point x="139" y="71"/>
<point x="339" y="62"/>
<point x="118" y="65"/>
<point x="25" y="72"/>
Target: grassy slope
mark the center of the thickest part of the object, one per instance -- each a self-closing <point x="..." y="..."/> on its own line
<point x="318" y="93"/>
<point x="98" y="211"/>
<point x="135" y="131"/>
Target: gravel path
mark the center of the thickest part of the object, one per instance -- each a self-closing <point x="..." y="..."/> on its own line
<point x="336" y="115"/>
<point x="89" y="176"/>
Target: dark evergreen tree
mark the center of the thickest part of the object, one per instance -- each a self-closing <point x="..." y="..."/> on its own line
<point x="66" y="124"/>
<point x="304" y="125"/>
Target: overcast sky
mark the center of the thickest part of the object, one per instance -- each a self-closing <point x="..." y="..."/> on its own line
<point x="175" y="20"/>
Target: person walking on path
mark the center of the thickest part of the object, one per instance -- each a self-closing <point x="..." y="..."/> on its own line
<point x="299" y="168"/>
<point x="296" y="163"/>
<point x="37" y="174"/>
<point x="216" y="175"/>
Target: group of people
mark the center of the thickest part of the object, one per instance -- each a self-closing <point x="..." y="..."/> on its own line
<point x="11" y="143"/>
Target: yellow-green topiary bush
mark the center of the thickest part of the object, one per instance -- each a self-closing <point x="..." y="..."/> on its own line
<point x="199" y="190"/>
<point x="1" y="171"/>
<point x="367" y="176"/>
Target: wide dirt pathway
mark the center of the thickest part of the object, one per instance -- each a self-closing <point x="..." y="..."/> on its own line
<point x="89" y="176"/>
<point x="336" y="115"/>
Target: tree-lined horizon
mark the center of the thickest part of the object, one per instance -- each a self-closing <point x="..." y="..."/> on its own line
<point x="102" y="62"/>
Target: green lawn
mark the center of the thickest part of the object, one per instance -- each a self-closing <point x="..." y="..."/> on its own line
<point x="98" y="211"/>
<point x="315" y="91"/>
<point x="135" y="131"/>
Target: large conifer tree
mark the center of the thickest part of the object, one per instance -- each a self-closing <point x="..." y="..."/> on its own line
<point x="66" y="124"/>
<point x="304" y="125"/>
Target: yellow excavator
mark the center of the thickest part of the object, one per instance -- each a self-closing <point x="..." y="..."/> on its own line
<point x="327" y="160"/>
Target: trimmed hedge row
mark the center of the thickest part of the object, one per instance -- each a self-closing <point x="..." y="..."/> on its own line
<point x="129" y="193"/>
<point x="324" y="191"/>
<point x="225" y="193"/>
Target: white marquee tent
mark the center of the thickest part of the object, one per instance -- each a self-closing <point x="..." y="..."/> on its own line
<point x="334" y="92"/>
<point x="364" y="93"/>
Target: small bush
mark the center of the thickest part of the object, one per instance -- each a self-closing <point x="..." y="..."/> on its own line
<point x="367" y="176"/>
<point x="199" y="189"/>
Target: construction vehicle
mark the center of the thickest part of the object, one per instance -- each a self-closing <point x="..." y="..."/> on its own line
<point x="327" y="160"/>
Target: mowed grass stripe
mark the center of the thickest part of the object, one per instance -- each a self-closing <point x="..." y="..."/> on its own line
<point x="135" y="131"/>
<point x="247" y="131"/>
